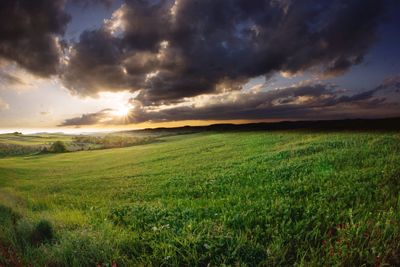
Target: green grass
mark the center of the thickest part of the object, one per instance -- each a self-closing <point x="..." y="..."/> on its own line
<point x="250" y="198"/>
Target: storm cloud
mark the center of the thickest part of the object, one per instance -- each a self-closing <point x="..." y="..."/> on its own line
<point x="194" y="59"/>
<point x="29" y="34"/>
<point x="169" y="50"/>
<point x="315" y="100"/>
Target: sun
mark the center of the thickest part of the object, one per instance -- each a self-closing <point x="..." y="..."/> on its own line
<point x="121" y="111"/>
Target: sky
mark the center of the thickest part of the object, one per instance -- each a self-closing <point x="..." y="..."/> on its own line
<point x="101" y="65"/>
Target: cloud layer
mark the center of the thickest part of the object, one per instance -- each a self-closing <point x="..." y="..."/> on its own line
<point x="190" y="59"/>
<point x="304" y="100"/>
<point x="169" y="50"/>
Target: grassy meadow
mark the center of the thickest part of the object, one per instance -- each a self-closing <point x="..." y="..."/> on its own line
<point x="279" y="198"/>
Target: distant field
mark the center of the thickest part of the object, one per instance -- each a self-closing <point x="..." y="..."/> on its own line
<point x="34" y="139"/>
<point x="14" y="144"/>
<point x="236" y="198"/>
<point x="17" y="144"/>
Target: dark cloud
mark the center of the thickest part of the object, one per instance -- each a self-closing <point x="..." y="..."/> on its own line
<point x="95" y="64"/>
<point x="308" y="101"/>
<point x="28" y="33"/>
<point x="170" y="50"/>
<point x="87" y="119"/>
<point x="88" y="3"/>
<point x="303" y="101"/>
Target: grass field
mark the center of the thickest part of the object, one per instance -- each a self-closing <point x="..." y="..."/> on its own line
<point x="277" y="198"/>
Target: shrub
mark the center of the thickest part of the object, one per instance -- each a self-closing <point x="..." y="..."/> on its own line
<point x="30" y="234"/>
<point x="58" y="147"/>
<point x="43" y="232"/>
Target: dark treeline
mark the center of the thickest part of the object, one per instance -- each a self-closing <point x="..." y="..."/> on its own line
<point x="388" y="124"/>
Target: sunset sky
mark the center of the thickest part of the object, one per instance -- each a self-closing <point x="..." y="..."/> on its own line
<point x="80" y="65"/>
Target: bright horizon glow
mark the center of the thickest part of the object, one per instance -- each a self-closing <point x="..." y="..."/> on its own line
<point x="126" y="127"/>
<point x="58" y="130"/>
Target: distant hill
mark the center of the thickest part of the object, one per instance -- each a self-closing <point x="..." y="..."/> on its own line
<point x="386" y="124"/>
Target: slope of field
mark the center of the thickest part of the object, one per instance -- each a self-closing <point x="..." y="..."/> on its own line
<point x="245" y="198"/>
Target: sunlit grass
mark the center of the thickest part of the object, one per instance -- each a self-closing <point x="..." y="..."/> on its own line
<point x="256" y="198"/>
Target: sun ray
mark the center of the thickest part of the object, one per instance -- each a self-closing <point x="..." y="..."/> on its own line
<point x="121" y="111"/>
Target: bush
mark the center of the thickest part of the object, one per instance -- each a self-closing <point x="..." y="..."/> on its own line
<point x="43" y="232"/>
<point x="58" y="147"/>
<point x="30" y="234"/>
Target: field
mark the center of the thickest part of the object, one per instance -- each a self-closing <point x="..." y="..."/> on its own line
<point x="33" y="139"/>
<point x="16" y="144"/>
<point x="278" y="198"/>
